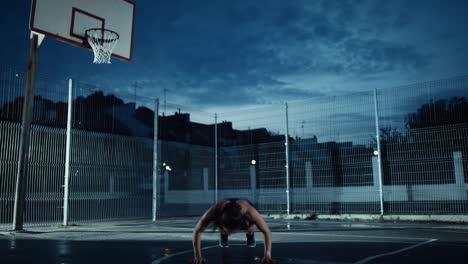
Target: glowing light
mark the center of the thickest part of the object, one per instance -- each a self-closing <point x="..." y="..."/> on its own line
<point x="253" y="162"/>
<point x="376" y="153"/>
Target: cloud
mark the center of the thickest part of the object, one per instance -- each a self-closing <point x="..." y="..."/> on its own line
<point x="365" y="57"/>
<point x="254" y="52"/>
<point x="245" y="45"/>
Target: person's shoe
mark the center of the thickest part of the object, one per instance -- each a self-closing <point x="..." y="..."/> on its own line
<point x="223" y="240"/>
<point x="250" y="240"/>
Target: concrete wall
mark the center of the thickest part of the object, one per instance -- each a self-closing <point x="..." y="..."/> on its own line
<point x="396" y="193"/>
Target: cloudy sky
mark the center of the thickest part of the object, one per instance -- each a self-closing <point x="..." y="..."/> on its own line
<point x="226" y="53"/>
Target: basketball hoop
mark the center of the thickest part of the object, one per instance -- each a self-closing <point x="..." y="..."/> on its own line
<point x="102" y="41"/>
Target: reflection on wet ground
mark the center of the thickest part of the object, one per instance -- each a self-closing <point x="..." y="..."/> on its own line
<point x="169" y="242"/>
<point x="62" y="251"/>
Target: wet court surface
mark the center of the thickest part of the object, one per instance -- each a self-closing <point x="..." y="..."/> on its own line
<point x="169" y="242"/>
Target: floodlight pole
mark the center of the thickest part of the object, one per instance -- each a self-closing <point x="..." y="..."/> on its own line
<point x="23" y="157"/>
<point x="379" y="156"/>
<point x="155" y="160"/>
<point x="286" y="144"/>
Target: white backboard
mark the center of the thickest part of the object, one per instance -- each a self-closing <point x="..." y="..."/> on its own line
<point x="67" y="20"/>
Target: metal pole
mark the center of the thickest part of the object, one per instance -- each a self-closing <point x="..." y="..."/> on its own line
<point x="165" y="90"/>
<point x="66" y="186"/>
<point x="379" y="157"/>
<point x="216" y="158"/>
<point x="155" y="160"/>
<point x="286" y="144"/>
<point x="23" y="157"/>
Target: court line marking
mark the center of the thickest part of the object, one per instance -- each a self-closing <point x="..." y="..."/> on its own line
<point x="337" y="241"/>
<point x="365" y="260"/>
<point x="435" y="229"/>
<point x="175" y="228"/>
<point x="288" y="234"/>
<point x="298" y="230"/>
<point x="335" y="235"/>
<point x="159" y="260"/>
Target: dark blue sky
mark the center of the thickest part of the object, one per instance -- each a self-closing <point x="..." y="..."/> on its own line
<point x="216" y="54"/>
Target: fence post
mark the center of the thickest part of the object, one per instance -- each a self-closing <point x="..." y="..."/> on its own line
<point x="286" y="144"/>
<point x="458" y="165"/>
<point x="66" y="186"/>
<point x="216" y="158"/>
<point x="253" y="182"/>
<point x="459" y="175"/>
<point x="308" y="174"/>
<point x="205" y="180"/>
<point x="377" y="136"/>
<point x="155" y="160"/>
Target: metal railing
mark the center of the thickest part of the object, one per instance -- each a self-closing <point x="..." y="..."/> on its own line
<point x="399" y="150"/>
<point x="110" y="165"/>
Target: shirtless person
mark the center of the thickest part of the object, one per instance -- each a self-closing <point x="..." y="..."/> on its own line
<point x="230" y="216"/>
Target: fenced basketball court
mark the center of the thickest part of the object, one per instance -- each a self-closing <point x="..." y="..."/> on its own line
<point x="330" y="160"/>
<point x="75" y="154"/>
<point x="294" y="241"/>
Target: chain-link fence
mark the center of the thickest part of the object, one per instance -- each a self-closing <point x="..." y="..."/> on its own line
<point x="425" y="147"/>
<point x="111" y="161"/>
<point x="186" y="162"/>
<point x="110" y="166"/>
<point x="400" y="150"/>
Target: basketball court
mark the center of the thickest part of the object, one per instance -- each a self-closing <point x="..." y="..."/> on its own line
<point x="106" y="29"/>
<point x="294" y="241"/>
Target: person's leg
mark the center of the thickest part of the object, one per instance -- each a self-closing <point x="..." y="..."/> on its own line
<point x="250" y="236"/>
<point x="223" y="239"/>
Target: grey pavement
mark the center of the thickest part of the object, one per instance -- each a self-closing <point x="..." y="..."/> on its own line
<point x="294" y="241"/>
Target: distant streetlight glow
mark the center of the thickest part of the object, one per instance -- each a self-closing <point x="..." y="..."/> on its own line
<point x="376" y="152"/>
<point x="253" y="162"/>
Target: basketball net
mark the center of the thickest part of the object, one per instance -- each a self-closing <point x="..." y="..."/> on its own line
<point x="102" y="41"/>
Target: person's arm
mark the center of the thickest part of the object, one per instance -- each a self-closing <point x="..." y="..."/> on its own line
<point x="204" y="221"/>
<point x="263" y="227"/>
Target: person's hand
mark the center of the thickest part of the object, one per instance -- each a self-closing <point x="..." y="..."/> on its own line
<point x="198" y="260"/>
<point x="269" y="260"/>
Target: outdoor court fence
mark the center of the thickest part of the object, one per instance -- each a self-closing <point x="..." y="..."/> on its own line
<point x="107" y="174"/>
<point x="400" y="150"/>
<point x="321" y="155"/>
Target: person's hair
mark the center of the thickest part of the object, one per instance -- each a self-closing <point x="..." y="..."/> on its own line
<point x="231" y="216"/>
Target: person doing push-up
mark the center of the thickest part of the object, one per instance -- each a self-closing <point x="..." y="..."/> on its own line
<point x="230" y="216"/>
